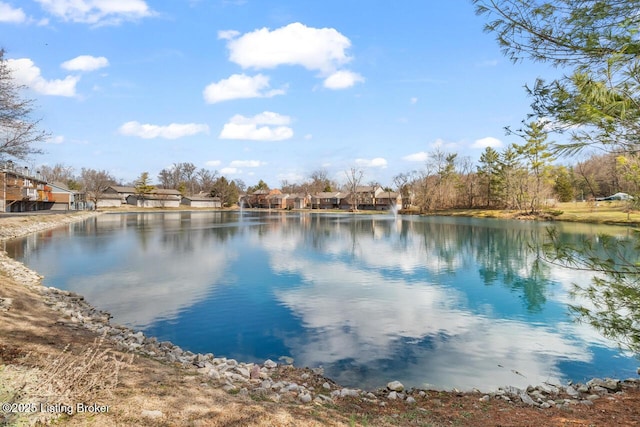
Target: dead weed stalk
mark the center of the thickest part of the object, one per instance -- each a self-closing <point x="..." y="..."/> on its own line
<point x="85" y="377"/>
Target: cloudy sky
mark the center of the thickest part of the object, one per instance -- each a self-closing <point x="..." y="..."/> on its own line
<point x="266" y="90"/>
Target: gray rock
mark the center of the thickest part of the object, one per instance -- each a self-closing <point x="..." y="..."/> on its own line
<point x="305" y="398"/>
<point x="598" y="389"/>
<point x="266" y="384"/>
<point x="485" y="398"/>
<point x="548" y="388"/>
<point x="349" y="392"/>
<point x="395" y="386"/>
<point x="545" y="405"/>
<point x="392" y="395"/>
<point x="326" y="386"/>
<point x="608" y="383"/>
<point x="270" y="364"/>
<point x="410" y="400"/>
<point x="527" y="399"/>
<point x="571" y="391"/>
<point x="242" y="371"/>
<point x="255" y="372"/>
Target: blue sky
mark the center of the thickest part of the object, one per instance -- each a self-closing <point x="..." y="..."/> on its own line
<point x="259" y="89"/>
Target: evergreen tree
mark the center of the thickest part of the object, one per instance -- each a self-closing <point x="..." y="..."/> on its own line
<point x="489" y="173"/>
<point x="538" y="158"/>
<point x="563" y="185"/>
<point x="142" y="184"/>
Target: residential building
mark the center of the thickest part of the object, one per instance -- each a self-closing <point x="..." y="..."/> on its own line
<point x="157" y="198"/>
<point x="66" y="199"/>
<point x="327" y="200"/>
<point x="201" y="201"/>
<point x="23" y="191"/>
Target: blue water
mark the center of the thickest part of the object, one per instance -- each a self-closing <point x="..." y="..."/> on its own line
<point x="448" y="302"/>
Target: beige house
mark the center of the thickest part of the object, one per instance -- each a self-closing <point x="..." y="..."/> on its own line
<point x="201" y="201"/>
<point x="388" y="200"/>
<point x="157" y="198"/>
<point x="115" y="196"/>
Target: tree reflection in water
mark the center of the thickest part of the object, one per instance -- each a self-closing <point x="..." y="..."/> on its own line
<point x="610" y="302"/>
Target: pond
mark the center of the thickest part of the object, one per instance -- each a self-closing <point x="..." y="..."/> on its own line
<point x="429" y="301"/>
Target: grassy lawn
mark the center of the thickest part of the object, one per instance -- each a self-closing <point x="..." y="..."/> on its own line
<point x="614" y="212"/>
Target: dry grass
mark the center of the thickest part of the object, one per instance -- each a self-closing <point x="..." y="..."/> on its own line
<point x="60" y="380"/>
<point x="91" y="375"/>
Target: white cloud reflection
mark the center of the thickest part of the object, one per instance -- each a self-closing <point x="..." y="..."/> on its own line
<point x="139" y="297"/>
<point x="425" y="330"/>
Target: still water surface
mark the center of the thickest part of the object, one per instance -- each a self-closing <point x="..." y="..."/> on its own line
<point x="450" y="302"/>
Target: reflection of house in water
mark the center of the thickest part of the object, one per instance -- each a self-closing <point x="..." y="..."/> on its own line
<point x="24" y="191"/>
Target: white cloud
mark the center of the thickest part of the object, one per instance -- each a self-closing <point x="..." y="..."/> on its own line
<point x="421" y="156"/>
<point x="266" y="126"/>
<point x="172" y="131"/>
<point x="291" y="176"/>
<point x="342" y="80"/>
<point x="85" y="63"/>
<point x="246" y="163"/>
<point x="228" y="34"/>
<point x="443" y="145"/>
<point x="240" y="86"/>
<point x="378" y="162"/>
<point x="213" y="163"/>
<point x="9" y="14"/>
<point x="487" y="142"/>
<point x="97" y="12"/>
<point x="26" y="73"/>
<point x="413" y="100"/>
<point x="230" y="171"/>
<point x="55" y="140"/>
<point x="321" y="49"/>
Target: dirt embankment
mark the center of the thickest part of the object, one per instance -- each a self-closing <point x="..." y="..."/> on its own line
<point x="53" y="368"/>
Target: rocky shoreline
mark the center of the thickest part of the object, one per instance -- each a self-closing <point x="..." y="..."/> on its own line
<point x="269" y="380"/>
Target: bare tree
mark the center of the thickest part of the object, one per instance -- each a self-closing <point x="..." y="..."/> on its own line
<point x="205" y="179"/>
<point x="18" y="131"/>
<point x="401" y="182"/>
<point x="60" y="173"/>
<point x="319" y="182"/>
<point x="95" y="183"/>
<point x="354" y="177"/>
<point x="189" y="176"/>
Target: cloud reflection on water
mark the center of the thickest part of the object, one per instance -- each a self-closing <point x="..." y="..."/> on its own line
<point x="358" y="316"/>
<point x="449" y="302"/>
